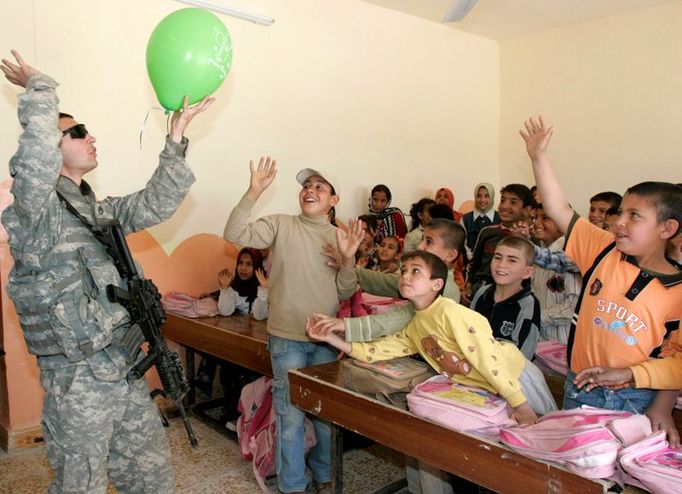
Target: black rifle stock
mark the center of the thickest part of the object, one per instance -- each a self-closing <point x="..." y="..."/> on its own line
<point x="143" y="302"/>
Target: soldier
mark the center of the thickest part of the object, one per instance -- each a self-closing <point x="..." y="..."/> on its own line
<point x="94" y="420"/>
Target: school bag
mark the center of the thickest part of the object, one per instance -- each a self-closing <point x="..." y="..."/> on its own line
<point x="185" y="305"/>
<point x="653" y="465"/>
<point x="388" y="381"/>
<point x="579" y="439"/>
<point x="552" y="354"/>
<point x="460" y="407"/>
<point x="256" y="429"/>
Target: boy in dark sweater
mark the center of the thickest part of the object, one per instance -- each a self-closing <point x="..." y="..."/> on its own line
<point x="508" y="303"/>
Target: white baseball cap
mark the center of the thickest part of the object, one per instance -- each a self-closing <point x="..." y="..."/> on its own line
<point x="306" y="173"/>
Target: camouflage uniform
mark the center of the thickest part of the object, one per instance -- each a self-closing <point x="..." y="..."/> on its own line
<point x="94" y="421"/>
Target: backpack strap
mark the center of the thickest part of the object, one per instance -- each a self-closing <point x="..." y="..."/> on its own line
<point x="587" y="277"/>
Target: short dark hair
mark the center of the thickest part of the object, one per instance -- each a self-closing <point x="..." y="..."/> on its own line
<point x="439" y="269"/>
<point x="519" y="243"/>
<point x="613" y="198"/>
<point x="397" y="239"/>
<point x="522" y="192"/>
<point x="384" y="189"/>
<point x="452" y="233"/>
<point x="370" y="220"/>
<point x="441" y="211"/>
<point x="666" y="197"/>
<point x="64" y="115"/>
<point x="418" y="207"/>
<point x="612" y="211"/>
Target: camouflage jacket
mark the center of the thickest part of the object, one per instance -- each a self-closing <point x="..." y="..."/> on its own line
<point x="58" y="283"/>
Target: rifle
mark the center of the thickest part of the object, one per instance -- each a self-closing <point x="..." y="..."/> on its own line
<point x="142" y="300"/>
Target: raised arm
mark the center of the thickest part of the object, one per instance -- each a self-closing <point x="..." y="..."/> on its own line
<point x="537" y="136"/>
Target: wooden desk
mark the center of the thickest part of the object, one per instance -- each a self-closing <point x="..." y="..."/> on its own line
<point x="318" y="390"/>
<point x="239" y="339"/>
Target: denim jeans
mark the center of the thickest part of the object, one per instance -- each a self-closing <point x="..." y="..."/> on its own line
<point x="628" y="399"/>
<point x="290" y="455"/>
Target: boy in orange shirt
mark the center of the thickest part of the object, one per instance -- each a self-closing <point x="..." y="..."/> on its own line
<point x="632" y="294"/>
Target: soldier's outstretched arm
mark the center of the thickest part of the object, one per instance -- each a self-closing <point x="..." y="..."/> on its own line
<point x="17" y="73"/>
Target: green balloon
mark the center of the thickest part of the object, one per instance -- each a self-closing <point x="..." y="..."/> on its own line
<point x="188" y="54"/>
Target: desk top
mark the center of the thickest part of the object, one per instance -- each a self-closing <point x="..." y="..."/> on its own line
<point x="238" y="338"/>
<point x="318" y="390"/>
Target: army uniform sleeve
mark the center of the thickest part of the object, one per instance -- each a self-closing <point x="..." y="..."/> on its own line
<point x="368" y="328"/>
<point x="162" y="195"/>
<point x="36" y="165"/>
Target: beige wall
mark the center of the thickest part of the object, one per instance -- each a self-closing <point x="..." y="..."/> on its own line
<point x="374" y="95"/>
<point x="612" y="89"/>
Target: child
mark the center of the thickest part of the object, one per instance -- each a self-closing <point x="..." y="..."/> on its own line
<point x="516" y="205"/>
<point x="414" y="238"/>
<point x="246" y="293"/>
<point x="508" y="303"/>
<point x="364" y="257"/>
<point x="447" y="197"/>
<point x="557" y="292"/>
<point x="443" y="211"/>
<point x="388" y="255"/>
<point x="442" y="238"/>
<point x="300" y="282"/>
<point x="391" y="221"/>
<point x="600" y="203"/>
<point x="496" y="366"/>
<point x="631" y="295"/>
<point x="483" y="215"/>
<point x="611" y="218"/>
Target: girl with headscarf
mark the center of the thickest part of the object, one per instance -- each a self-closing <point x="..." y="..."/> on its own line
<point x="446" y="196"/>
<point x="390" y="221"/>
<point x="244" y="291"/>
<point x="484" y="214"/>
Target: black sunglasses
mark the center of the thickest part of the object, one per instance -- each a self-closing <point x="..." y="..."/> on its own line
<point x="76" y="132"/>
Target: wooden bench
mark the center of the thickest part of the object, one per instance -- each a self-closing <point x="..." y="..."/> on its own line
<point x="319" y="390"/>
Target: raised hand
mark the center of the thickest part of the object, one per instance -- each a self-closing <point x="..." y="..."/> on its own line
<point x="524" y="414"/>
<point x="603" y="376"/>
<point x="261" y="176"/>
<point x="225" y="278"/>
<point x="350" y="241"/>
<point x="181" y="118"/>
<point x="17" y="73"/>
<point x="262" y="279"/>
<point x="537" y="137"/>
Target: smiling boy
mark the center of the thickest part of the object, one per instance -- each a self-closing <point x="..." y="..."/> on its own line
<point x="632" y="294"/>
<point x="300" y="282"/>
<point x="508" y="303"/>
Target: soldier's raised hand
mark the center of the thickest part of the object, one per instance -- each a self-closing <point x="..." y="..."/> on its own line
<point x="17" y="73"/>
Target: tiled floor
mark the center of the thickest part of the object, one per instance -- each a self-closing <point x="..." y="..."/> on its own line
<point x="214" y="467"/>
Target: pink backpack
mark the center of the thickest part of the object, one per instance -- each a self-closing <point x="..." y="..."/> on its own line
<point x="256" y="429"/>
<point x="185" y="305"/>
<point x="578" y="439"/>
<point x="553" y="355"/>
<point x="653" y="465"/>
<point x="459" y="407"/>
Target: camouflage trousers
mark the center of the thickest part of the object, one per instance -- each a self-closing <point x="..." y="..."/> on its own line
<point x="97" y="431"/>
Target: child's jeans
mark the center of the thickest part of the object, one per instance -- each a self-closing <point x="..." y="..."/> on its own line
<point x="290" y="456"/>
<point x="628" y="399"/>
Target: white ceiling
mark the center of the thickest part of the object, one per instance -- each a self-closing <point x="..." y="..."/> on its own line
<point x="501" y="19"/>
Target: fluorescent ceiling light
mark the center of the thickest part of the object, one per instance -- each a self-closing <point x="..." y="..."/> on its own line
<point x="223" y="9"/>
<point x="458" y="10"/>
